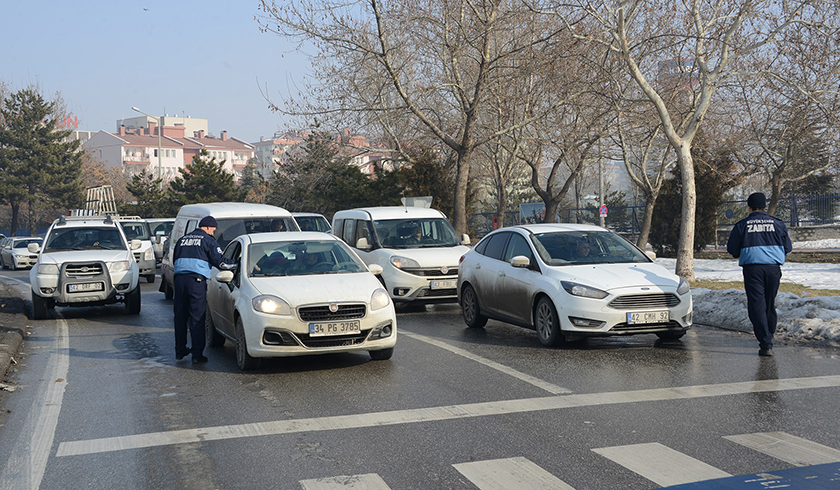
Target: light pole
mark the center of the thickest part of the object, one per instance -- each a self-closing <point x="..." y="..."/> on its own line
<point x="160" y="153"/>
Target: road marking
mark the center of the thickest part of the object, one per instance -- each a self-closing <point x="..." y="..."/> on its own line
<point x="788" y="448"/>
<point x="661" y="464"/>
<point x="370" y="481"/>
<point x="551" y="388"/>
<point x="42" y="422"/>
<point x="504" y="474"/>
<point x="433" y="414"/>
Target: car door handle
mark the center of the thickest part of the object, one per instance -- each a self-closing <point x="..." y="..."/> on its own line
<point x="501" y="274"/>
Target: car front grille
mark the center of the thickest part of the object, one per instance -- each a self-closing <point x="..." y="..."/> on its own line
<point x="433" y="272"/>
<point x="624" y="327"/>
<point x="83" y="270"/>
<point x="645" y="301"/>
<point x="333" y="341"/>
<point x="322" y="313"/>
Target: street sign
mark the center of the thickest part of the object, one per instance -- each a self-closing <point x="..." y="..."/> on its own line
<point x="603" y="210"/>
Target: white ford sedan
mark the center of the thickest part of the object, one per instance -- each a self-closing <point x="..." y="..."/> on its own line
<point x="298" y="293"/>
<point x="571" y="281"/>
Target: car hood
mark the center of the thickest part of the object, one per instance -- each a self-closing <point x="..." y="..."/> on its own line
<point x="432" y="257"/>
<point x="319" y="288"/>
<point x="609" y="277"/>
<point x="84" y="255"/>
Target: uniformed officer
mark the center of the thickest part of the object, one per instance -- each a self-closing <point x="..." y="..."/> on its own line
<point x="760" y="243"/>
<point x="194" y="254"/>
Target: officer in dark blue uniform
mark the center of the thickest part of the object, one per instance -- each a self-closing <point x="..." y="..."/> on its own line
<point x="194" y="254"/>
<point x="760" y="243"/>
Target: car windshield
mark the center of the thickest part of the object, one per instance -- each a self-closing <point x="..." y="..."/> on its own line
<point x="163" y="228"/>
<point x="25" y="242"/>
<point x="106" y="238"/>
<point x="313" y="223"/>
<point x="586" y="247"/>
<point x="230" y="228"/>
<point x="301" y="258"/>
<point x="135" y="230"/>
<point x="415" y="233"/>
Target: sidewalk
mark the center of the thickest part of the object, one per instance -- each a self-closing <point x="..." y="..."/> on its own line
<point x="13" y="319"/>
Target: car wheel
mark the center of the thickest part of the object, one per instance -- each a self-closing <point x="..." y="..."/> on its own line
<point x="132" y="301"/>
<point x="168" y="292"/>
<point x="670" y="335"/>
<point x="13" y="266"/>
<point x="214" y="338"/>
<point x="39" y="307"/>
<point x="470" y="308"/>
<point x="547" y="323"/>
<point x="243" y="359"/>
<point x="150" y="278"/>
<point x="381" y="355"/>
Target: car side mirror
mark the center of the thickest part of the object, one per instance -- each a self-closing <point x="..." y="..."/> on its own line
<point x="136" y="244"/>
<point x="651" y="254"/>
<point x="362" y="244"/>
<point x="33" y="248"/>
<point x="375" y="268"/>
<point x="520" y="261"/>
<point x="465" y="239"/>
<point x="153" y="239"/>
<point x="224" y="276"/>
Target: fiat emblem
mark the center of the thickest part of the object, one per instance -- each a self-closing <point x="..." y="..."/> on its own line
<point x="444" y="270"/>
<point x="333" y="307"/>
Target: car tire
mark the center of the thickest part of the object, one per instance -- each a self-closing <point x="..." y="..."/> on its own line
<point x="39" y="307"/>
<point x="168" y="292"/>
<point x="669" y="336"/>
<point x="243" y="359"/>
<point x="470" y="308"/>
<point x="547" y="323"/>
<point x="214" y="338"/>
<point x="132" y="301"/>
<point x="150" y="278"/>
<point x="381" y="355"/>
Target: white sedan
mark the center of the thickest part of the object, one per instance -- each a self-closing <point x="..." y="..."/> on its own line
<point x="571" y="281"/>
<point x="298" y="293"/>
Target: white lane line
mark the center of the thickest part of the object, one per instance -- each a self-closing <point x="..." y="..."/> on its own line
<point x="661" y="464"/>
<point x="433" y="414"/>
<point x="369" y="481"/>
<point x="505" y="474"/>
<point x="788" y="448"/>
<point x="551" y="388"/>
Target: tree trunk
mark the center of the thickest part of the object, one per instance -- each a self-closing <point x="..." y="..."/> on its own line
<point x="685" y="249"/>
<point x="551" y="211"/>
<point x="501" y="206"/>
<point x="15" y="216"/>
<point x="462" y="177"/>
<point x="647" y="219"/>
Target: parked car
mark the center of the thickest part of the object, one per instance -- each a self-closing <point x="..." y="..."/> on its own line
<point x="160" y="229"/>
<point x="571" y="281"/>
<point x="136" y="228"/>
<point x="298" y="293"/>
<point x="312" y="222"/>
<point x="416" y="247"/>
<point x="14" y="253"/>
<point x="85" y="261"/>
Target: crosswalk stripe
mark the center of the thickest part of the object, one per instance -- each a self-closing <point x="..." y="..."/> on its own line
<point x="369" y="481"/>
<point x="661" y="464"/>
<point x="504" y="474"/>
<point x="788" y="448"/>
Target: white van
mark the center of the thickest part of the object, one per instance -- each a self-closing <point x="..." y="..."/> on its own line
<point x="136" y="228"/>
<point x="234" y="219"/>
<point x="416" y="247"/>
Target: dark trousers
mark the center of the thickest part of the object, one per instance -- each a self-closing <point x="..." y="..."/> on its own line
<point x="761" y="282"/>
<point x="190" y="311"/>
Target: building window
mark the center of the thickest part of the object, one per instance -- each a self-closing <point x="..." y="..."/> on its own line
<point x="155" y="153"/>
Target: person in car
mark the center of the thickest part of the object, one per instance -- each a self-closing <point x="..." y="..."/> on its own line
<point x="416" y="237"/>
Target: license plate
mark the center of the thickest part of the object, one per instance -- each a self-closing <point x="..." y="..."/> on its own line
<point x="93" y="286"/>
<point x="334" y="328"/>
<point x="649" y="317"/>
<point x="444" y="284"/>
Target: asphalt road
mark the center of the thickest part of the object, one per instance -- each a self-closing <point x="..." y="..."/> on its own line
<point x="102" y="403"/>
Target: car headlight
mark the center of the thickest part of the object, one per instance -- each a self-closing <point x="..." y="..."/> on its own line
<point x="272" y="305"/>
<point x="119" y="266"/>
<point x="684" y="287"/>
<point x="404" y="262"/>
<point x="149" y="255"/>
<point x="48" y="269"/>
<point x="576" y="289"/>
<point x="379" y="299"/>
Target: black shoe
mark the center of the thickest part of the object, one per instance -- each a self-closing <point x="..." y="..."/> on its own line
<point x="765" y="352"/>
<point x="199" y="359"/>
<point x="182" y="354"/>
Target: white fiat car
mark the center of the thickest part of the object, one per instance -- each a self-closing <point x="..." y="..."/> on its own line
<point x="295" y="294"/>
<point x="571" y="281"/>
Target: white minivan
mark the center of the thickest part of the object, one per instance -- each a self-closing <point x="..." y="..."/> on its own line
<point x="234" y="219"/>
<point x="416" y="247"/>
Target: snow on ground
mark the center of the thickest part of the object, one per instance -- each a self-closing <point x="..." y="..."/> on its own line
<point x="801" y="317"/>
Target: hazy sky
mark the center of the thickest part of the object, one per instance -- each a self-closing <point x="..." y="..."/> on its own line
<point x="184" y="57"/>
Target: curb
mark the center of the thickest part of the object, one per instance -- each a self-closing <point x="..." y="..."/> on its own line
<point x="13" y="320"/>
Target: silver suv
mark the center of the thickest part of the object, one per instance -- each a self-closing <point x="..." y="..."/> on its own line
<point x="85" y="261"/>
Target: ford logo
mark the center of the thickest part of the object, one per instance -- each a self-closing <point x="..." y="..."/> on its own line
<point x="444" y="270"/>
<point x="333" y="307"/>
<point x="85" y="268"/>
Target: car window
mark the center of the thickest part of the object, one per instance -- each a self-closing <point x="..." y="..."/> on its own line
<point x="25" y="243"/>
<point x="135" y="230"/>
<point x="415" y="233"/>
<point x="496" y="245"/>
<point x="363" y="231"/>
<point x="230" y="228"/>
<point x="585" y="247"/>
<point x="518" y="245"/>
<point x="338" y="226"/>
<point x="159" y="229"/>
<point x="301" y="258"/>
<point x="349" y="232"/>
<point x="313" y="223"/>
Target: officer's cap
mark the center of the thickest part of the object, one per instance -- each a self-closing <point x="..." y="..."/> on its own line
<point x="757" y="200"/>
<point x="208" y="222"/>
